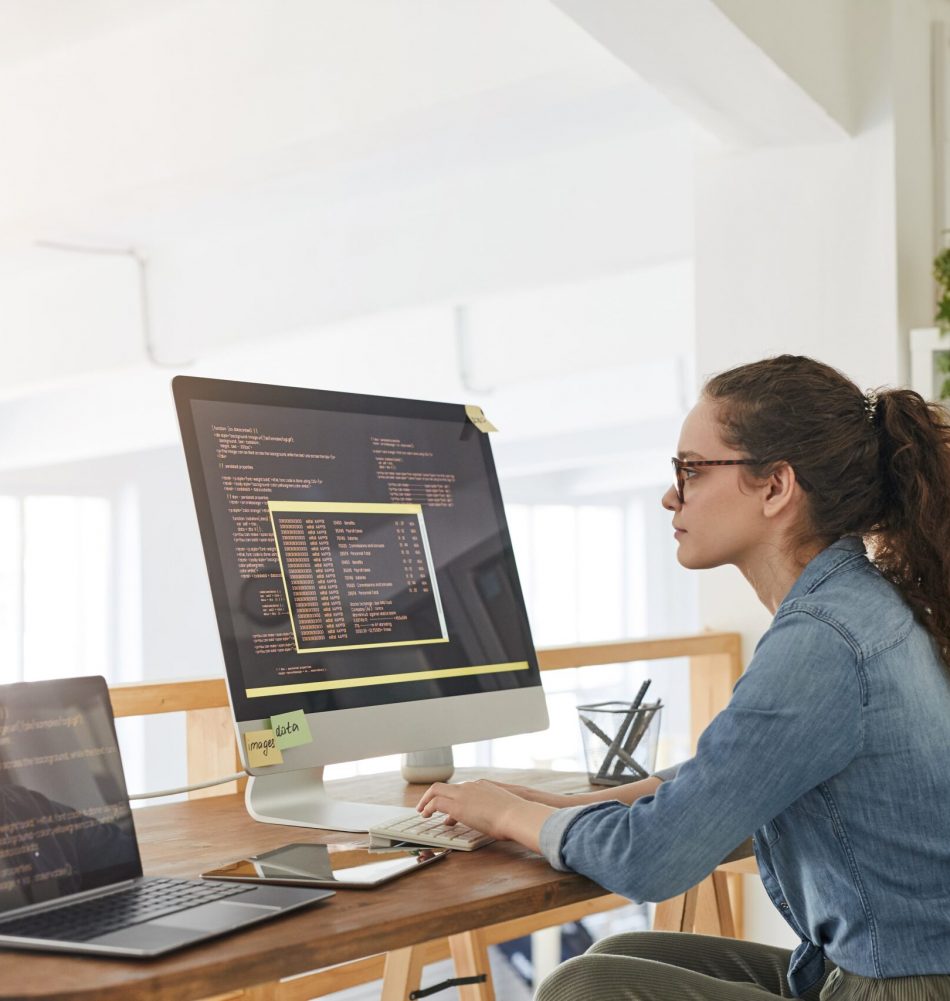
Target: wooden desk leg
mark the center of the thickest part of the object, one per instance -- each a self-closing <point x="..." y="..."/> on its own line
<point x="470" y="955"/>
<point x="402" y="973"/>
<point x="713" y="912"/>
<point x="703" y="909"/>
<point x="678" y="913"/>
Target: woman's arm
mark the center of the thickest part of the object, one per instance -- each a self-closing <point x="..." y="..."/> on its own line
<point x="503" y="813"/>
<point x="626" y="793"/>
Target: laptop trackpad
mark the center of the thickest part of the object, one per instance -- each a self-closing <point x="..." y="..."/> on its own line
<point x="179" y="929"/>
<point x="217" y="916"/>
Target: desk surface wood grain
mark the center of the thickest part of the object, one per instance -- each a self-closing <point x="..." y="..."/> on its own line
<point x="464" y="891"/>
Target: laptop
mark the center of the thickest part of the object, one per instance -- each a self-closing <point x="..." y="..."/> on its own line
<point x="70" y="871"/>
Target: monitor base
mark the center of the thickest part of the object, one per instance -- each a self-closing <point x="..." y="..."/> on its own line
<point x="299" y="799"/>
<point x="425" y="767"/>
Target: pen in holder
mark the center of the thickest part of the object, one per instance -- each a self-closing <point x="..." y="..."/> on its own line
<point x="620" y="740"/>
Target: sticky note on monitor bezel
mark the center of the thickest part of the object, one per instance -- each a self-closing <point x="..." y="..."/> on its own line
<point x="261" y="749"/>
<point x="291" y="729"/>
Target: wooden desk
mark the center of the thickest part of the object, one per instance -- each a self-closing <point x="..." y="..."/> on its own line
<point x="462" y="892"/>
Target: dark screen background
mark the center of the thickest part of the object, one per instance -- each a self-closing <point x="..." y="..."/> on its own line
<point x="65" y="822"/>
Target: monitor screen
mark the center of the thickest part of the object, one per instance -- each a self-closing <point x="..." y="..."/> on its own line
<point x="359" y="561"/>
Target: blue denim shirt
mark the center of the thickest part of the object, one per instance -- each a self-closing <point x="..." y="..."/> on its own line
<point x="834" y="751"/>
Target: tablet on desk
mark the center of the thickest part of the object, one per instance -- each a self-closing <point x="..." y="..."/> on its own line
<point x="347" y="866"/>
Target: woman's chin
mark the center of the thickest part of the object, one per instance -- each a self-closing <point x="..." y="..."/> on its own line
<point x="689" y="559"/>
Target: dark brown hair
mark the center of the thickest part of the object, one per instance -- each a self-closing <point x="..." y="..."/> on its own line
<point x="875" y="466"/>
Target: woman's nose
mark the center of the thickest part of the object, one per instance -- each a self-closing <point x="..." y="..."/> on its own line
<point x="670" y="500"/>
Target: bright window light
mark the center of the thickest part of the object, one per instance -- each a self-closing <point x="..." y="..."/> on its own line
<point x="10" y="572"/>
<point x="66" y="593"/>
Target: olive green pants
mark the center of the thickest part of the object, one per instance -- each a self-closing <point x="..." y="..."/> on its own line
<point x="676" y="966"/>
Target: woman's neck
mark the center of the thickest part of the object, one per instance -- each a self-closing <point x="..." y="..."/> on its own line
<point x="773" y="570"/>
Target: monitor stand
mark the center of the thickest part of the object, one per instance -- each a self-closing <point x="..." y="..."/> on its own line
<point x="299" y="799"/>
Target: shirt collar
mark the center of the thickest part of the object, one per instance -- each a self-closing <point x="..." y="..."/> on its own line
<point x="827" y="562"/>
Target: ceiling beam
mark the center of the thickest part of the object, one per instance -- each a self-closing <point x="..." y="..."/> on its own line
<point x="702" y="61"/>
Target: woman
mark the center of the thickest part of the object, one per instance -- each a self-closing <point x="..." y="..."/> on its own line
<point x="834" y="750"/>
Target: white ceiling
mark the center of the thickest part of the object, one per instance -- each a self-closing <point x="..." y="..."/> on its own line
<point x="38" y="27"/>
<point x="116" y="113"/>
<point x="284" y="165"/>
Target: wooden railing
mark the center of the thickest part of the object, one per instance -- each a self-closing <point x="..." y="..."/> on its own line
<point x="715" y="664"/>
<point x="714" y="658"/>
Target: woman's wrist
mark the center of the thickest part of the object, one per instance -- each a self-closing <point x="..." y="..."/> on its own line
<point x="627" y="793"/>
<point x="522" y="822"/>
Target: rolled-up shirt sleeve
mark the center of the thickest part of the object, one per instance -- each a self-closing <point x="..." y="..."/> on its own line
<point x="555" y="827"/>
<point x="553" y="831"/>
<point x="665" y="774"/>
<point x="794" y="720"/>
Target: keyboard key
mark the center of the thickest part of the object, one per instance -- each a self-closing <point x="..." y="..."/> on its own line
<point x="432" y="831"/>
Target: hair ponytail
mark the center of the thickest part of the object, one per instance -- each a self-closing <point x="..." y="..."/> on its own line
<point x="875" y="466"/>
<point x="911" y="543"/>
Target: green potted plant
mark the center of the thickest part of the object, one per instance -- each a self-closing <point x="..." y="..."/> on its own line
<point x="942" y="277"/>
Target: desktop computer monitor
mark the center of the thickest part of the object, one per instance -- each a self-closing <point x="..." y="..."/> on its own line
<point x="362" y="575"/>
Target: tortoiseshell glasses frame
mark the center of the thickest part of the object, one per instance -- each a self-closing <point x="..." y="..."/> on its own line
<point x="681" y="465"/>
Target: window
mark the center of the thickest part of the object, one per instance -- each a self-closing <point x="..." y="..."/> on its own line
<point x="55" y="587"/>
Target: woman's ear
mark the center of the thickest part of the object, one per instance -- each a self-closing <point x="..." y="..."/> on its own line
<point x="779" y="491"/>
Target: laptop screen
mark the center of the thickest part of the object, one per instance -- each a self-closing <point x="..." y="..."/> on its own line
<point x="65" y="822"/>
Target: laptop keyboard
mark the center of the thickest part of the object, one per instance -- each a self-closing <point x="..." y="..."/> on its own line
<point x="87" y="919"/>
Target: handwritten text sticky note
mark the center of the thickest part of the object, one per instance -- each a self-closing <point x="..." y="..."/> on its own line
<point x="262" y="749"/>
<point x="477" y="416"/>
<point x="291" y="729"/>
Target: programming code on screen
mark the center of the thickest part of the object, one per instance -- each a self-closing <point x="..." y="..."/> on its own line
<point x="358" y="552"/>
<point x="356" y="575"/>
<point x="64" y="820"/>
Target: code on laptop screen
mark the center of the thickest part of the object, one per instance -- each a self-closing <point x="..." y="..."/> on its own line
<point x="65" y="822"/>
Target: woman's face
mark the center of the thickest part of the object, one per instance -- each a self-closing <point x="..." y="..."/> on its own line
<point x="721" y="519"/>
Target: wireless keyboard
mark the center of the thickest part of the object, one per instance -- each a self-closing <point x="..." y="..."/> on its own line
<point x="430" y="831"/>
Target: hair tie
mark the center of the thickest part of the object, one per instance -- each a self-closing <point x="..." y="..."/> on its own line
<point x="870" y="404"/>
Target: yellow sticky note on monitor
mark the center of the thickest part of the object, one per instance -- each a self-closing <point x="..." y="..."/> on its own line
<point x="477" y="416"/>
<point x="262" y="749"/>
<point x="291" y="729"/>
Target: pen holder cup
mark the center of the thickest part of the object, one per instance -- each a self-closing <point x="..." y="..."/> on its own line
<point x="619" y="742"/>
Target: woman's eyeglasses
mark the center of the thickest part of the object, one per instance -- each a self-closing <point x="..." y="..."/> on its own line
<point x="680" y="467"/>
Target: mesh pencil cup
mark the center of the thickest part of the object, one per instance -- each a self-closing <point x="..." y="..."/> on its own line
<point x="619" y="741"/>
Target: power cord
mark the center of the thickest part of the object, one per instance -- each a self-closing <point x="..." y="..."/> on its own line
<point x="191" y="788"/>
